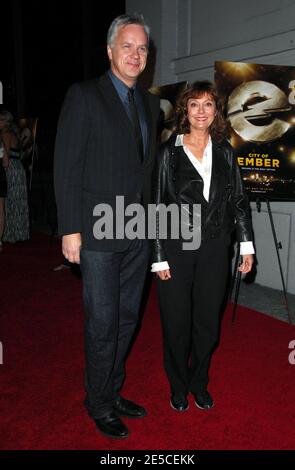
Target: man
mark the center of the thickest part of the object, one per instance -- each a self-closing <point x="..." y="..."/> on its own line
<point x="105" y="148"/>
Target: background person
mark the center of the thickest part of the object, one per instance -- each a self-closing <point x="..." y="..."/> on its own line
<point x="17" y="226"/>
<point x="3" y="190"/>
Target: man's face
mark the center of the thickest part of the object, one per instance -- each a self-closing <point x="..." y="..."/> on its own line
<point x="129" y="53"/>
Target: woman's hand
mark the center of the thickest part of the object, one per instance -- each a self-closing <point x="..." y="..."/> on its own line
<point x="164" y="275"/>
<point x="247" y="263"/>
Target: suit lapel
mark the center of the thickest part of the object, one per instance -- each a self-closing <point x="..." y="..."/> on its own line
<point x="216" y="172"/>
<point x="117" y="108"/>
<point x="148" y="116"/>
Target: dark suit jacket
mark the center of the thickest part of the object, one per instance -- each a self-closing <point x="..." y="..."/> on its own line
<point x="96" y="158"/>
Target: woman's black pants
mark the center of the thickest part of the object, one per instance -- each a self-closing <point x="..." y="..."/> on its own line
<point x="190" y="304"/>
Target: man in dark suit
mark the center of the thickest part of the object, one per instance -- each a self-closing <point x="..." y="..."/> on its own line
<point x="105" y="147"/>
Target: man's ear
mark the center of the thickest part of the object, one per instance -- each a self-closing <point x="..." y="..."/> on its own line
<point x="109" y="51"/>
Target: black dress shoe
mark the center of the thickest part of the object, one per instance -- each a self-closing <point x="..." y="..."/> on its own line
<point x="179" y="402"/>
<point x="203" y="400"/>
<point x="112" y="426"/>
<point x="128" y="409"/>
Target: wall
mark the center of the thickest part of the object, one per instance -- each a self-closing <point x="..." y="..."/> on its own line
<point x="190" y="36"/>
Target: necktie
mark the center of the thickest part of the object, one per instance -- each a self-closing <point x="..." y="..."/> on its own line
<point x="135" y="122"/>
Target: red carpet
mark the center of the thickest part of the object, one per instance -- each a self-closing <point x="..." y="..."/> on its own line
<point x="42" y="375"/>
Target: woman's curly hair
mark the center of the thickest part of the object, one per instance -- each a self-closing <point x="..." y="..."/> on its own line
<point x="219" y="129"/>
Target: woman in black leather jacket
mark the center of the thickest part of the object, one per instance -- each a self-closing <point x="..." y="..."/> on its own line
<point x="197" y="166"/>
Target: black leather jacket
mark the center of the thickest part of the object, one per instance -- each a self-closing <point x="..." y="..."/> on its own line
<point x="177" y="181"/>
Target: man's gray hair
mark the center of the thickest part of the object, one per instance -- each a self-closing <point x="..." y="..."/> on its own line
<point x="124" y="20"/>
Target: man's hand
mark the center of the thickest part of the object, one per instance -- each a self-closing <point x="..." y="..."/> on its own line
<point x="71" y="245"/>
<point x="247" y="264"/>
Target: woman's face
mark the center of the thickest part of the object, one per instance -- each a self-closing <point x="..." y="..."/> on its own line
<point x="201" y="112"/>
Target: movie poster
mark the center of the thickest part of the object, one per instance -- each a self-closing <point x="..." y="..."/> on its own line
<point x="168" y="95"/>
<point x="260" y="103"/>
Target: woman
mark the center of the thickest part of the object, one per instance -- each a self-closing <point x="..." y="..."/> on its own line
<point x="197" y="166"/>
<point x="3" y="190"/>
<point x="16" y="205"/>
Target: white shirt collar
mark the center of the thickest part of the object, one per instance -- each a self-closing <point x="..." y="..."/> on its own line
<point x="204" y="168"/>
<point x="179" y="142"/>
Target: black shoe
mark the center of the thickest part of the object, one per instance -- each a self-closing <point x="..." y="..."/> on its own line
<point x="179" y="402"/>
<point x="112" y="426"/>
<point x="128" y="409"/>
<point x="203" y="400"/>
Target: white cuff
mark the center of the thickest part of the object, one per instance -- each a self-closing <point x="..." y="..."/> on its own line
<point x="247" y="248"/>
<point x="160" y="266"/>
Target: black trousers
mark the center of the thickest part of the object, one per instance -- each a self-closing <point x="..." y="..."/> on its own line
<point x="190" y="305"/>
<point x="112" y="290"/>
